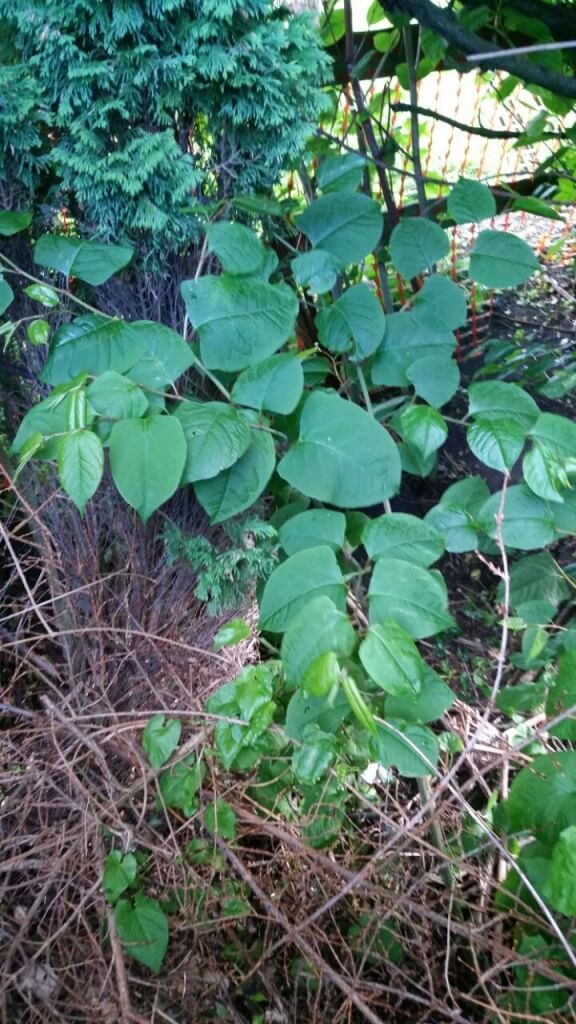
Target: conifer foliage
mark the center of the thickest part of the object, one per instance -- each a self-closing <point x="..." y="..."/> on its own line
<point x="132" y="112"/>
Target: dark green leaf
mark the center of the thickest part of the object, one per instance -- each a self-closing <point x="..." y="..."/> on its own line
<point x="440" y="304"/>
<point x="355" y="323"/>
<point x="311" y="761"/>
<point x="561" y="888"/>
<point x="391" y="659"/>
<point x="160" y="739"/>
<point x="147" y="458"/>
<point x="562" y="697"/>
<point x="294" y="583"/>
<point x="348" y="225"/>
<point x="6" y="295"/>
<point x="435" y="378"/>
<point x="116" y="397"/>
<point x="429" y="704"/>
<point x="470" y="202"/>
<point x="543" y="796"/>
<point x="527" y="520"/>
<point x="216" y="437"/>
<point x="412" y="749"/>
<point x="313" y="527"/>
<point x="398" y="535"/>
<point x="423" y="428"/>
<point x="237" y="488"/>
<point x="179" y="786"/>
<point x="416" y="244"/>
<point x="93" y="262"/>
<point x="13" y="221"/>
<point x="341" y="173"/>
<point x="316" y="270"/>
<point x="220" y="820"/>
<point x="497" y="443"/>
<point x="142" y="928"/>
<point x="414" y="597"/>
<point x="275" y="384"/>
<point x="239" y="250"/>
<point x="502" y="401"/>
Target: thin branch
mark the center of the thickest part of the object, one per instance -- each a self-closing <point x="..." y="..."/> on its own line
<point x="478" y="58"/>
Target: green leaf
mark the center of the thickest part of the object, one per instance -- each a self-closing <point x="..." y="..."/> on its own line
<point x="313" y="527"/>
<point x="220" y="820"/>
<point x="391" y="659"/>
<point x="354" y="323"/>
<point x="423" y="428"/>
<point x="342" y="173"/>
<point x="348" y="225"/>
<point x="50" y="416"/>
<point x="239" y="250"/>
<point x="163" y="357"/>
<point x="536" y="578"/>
<point x="142" y="928"/>
<point x="147" y="458"/>
<point x="160" y="739"/>
<point x="499" y="400"/>
<point x="429" y="704"/>
<point x="416" y="244"/>
<point x="537" y="207"/>
<point x="404" y="343"/>
<point x="311" y="761"/>
<point x="240" y="321"/>
<point x="470" y="202"/>
<point x="528" y="522"/>
<point x="343" y="456"/>
<point x="440" y="304"/>
<point x="304" y="709"/>
<point x="120" y="871"/>
<point x="542" y="797"/>
<point x="294" y="583"/>
<point x="232" y="633"/>
<point x="80" y="466"/>
<point x="216" y="437"/>
<point x="317" y="629"/>
<point x="402" y="748"/>
<point x="562" y="697"/>
<point x="13" y="221"/>
<point x="457" y="514"/>
<point x="93" y="262"/>
<point x="557" y="433"/>
<point x="44" y="294"/>
<point x="414" y="597"/>
<point x="116" y="397"/>
<point x="38" y="332"/>
<point x="237" y="488"/>
<point x="561" y="888"/>
<point x="316" y="270"/>
<point x="543" y="470"/>
<point x="276" y="384"/>
<point x="322" y="676"/>
<point x="179" y="785"/>
<point x="534" y="640"/>
<point x="399" y="535"/>
<point x="497" y="443"/>
<point x="435" y="378"/>
<point x="6" y="295"/>
<point x="501" y="260"/>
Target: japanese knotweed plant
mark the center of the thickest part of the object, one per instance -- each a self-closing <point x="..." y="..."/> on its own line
<point x="326" y="433"/>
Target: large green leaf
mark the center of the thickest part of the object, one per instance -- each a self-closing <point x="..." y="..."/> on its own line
<point x="343" y="456"/>
<point x="399" y="535"/>
<point x="147" y="457"/>
<point x="501" y="260"/>
<point x="470" y="202"/>
<point x="557" y="433"/>
<point x="528" y="522"/>
<point x="537" y="578"/>
<point x="412" y="749"/>
<point x="142" y="928"/>
<point x="13" y="221"/>
<point x="414" y="597"/>
<point x="440" y="304"/>
<point x="239" y="250"/>
<point x="276" y="384"/>
<point x="114" y="396"/>
<point x="294" y="583"/>
<point x="423" y="428"/>
<point x="497" y="443"/>
<point x="240" y="321"/>
<point x="341" y="173"/>
<point x="80" y="465"/>
<point x="429" y="704"/>
<point x="416" y="244"/>
<point x="457" y="515"/>
<point x="237" y="488"/>
<point x="316" y="270"/>
<point x="354" y="323"/>
<point x="148" y="353"/>
<point x="543" y="470"/>
<point x="405" y="342"/>
<point x="543" y="796"/>
<point x="216" y="437"/>
<point x="435" y="378"/>
<point x="93" y="262"/>
<point x="391" y="659"/>
<point x="499" y="400"/>
<point x="319" y="627"/>
<point x="311" y="528"/>
<point x="346" y="224"/>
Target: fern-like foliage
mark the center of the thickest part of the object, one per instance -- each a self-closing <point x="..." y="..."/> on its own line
<point x="226" y="576"/>
<point x="141" y="109"/>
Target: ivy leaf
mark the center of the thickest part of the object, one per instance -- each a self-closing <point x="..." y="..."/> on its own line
<point x="391" y="659"/>
<point x="399" y="535"/>
<point x="470" y="202"/>
<point x="403" y="747"/>
<point x="354" y="323"/>
<point x="416" y="244"/>
<point x="142" y="928"/>
<point x="292" y="585"/>
<point x="147" y="458"/>
<point x="240" y="321"/>
<point x="160" y="739"/>
<point x="80" y="466"/>
<point x="497" y="443"/>
<point x="235" y="489"/>
<point x="93" y="262"/>
<point x="276" y="384"/>
<point x="313" y="527"/>
<point x="216" y="437"/>
<point x="348" y="225"/>
<point x="414" y="597"/>
<point x="501" y="260"/>
<point x="239" y="250"/>
<point x="423" y="428"/>
<point x="319" y="628"/>
<point x="220" y="820"/>
<point x="120" y="871"/>
<point x="343" y="456"/>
